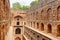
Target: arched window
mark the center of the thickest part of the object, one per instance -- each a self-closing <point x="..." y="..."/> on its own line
<point x="49" y="14"/>
<point x="49" y="28"/>
<point x="42" y="26"/>
<point x="58" y="30"/>
<point x="17" y="23"/>
<point x="18" y="31"/>
<point x="17" y="38"/>
<point x="58" y="13"/>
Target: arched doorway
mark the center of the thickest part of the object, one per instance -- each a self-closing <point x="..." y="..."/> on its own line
<point x="42" y="26"/>
<point x="49" y="28"/>
<point x="58" y="13"/>
<point x="18" y="31"/>
<point x="17" y="38"/>
<point x="58" y="30"/>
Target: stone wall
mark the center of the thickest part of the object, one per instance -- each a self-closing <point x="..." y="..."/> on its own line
<point x="45" y="16"/>
<point x="4" y="18"/>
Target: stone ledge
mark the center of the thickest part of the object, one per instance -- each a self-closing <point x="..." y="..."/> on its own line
<point x="47" y="35"/>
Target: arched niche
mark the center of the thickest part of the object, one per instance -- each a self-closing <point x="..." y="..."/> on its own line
<point x="18" y="31"/>
<point x="49" y="14"/>
<point x="49" y="28"/>
<point x="42" y="26"/>
<point x="58" y="13"/>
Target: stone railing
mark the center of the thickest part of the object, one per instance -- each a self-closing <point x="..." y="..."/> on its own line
<point x="38" y="35"/>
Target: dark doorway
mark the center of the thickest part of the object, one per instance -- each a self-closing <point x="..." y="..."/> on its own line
<point x="49" y="28"/>
<point x="18" y="31"/>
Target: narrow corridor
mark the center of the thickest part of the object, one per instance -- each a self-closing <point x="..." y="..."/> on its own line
<point x="10" y="34"/>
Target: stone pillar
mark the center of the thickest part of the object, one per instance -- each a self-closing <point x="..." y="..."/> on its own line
<point x="45" y="28"/>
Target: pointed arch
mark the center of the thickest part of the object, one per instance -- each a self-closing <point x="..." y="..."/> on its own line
<point x="49" y="14"/>
<point x="58" y="13"/>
